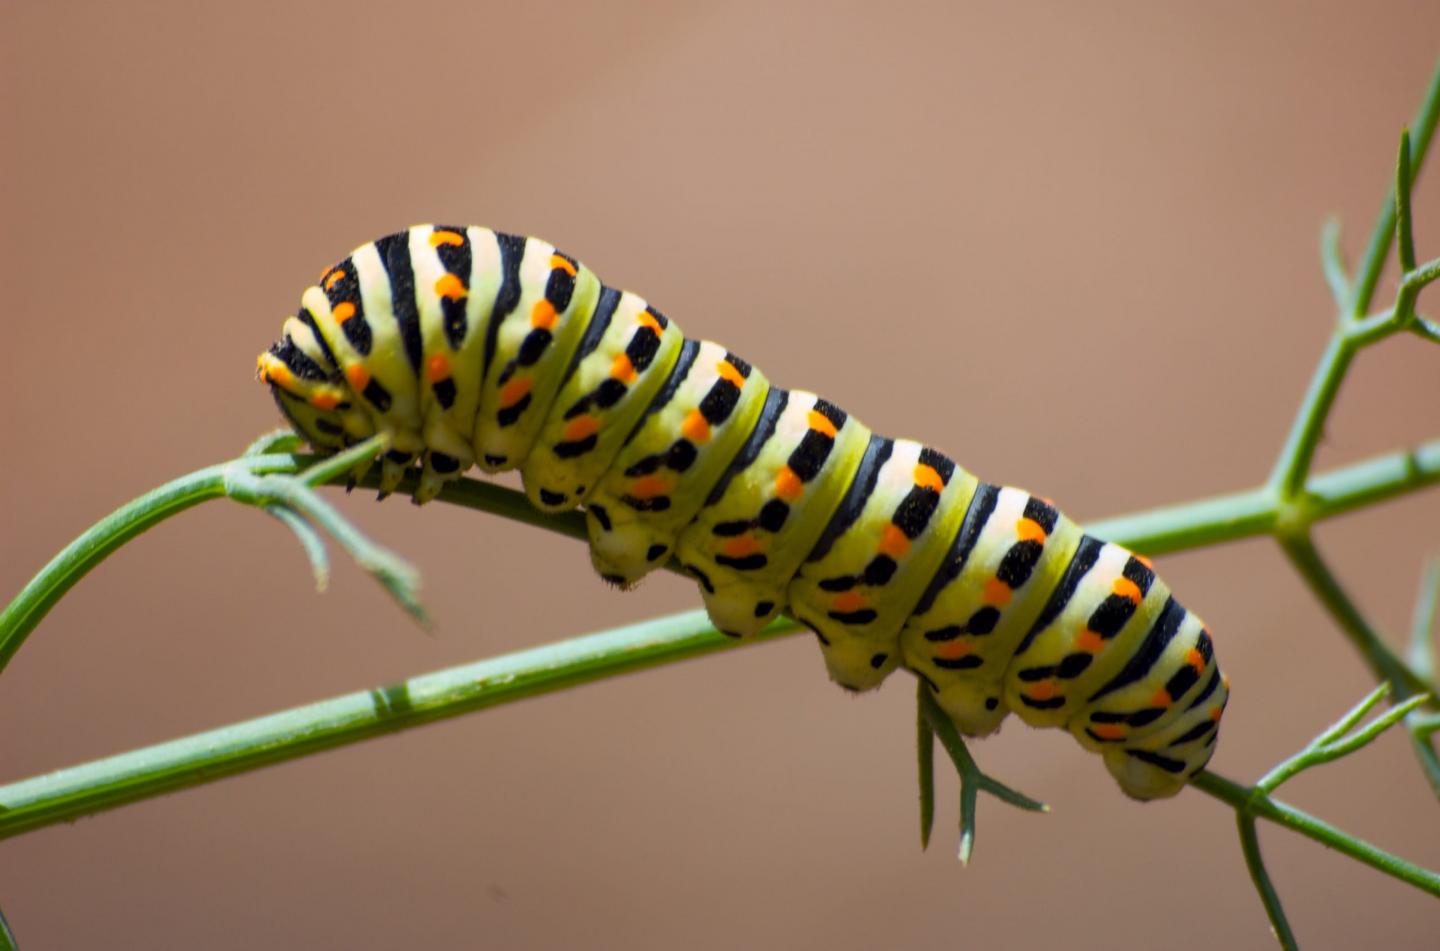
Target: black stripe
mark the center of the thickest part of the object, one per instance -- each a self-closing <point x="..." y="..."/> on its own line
<point x="1081" y="562"/>
<point x="977" y="513"/>
<point x="395" y="256"/>
<point x="1193" y="734"/>
<point x="297" y="360"/>
<point x="308" y="319"/>
<point x="678" y="372"/>
<point x="594" y="330"/>
<point x="1155" y="759"/>
<point x="968" y="662"/>
<point x="915" y="511"/>
<point x="1210" y="686"/>
<point x="775" y="401"/>
<point x="1144" y="658"/>
<point x="444" y="392"/>
<point x="578" y="447"/>
<point x="1041" y="513"/>
<point x="938" y="461"/>
<point x="512" y="253"/>
<point x="378" y="396"/>
<point x="746" y="563"/>
<point x="457" y="260"/>
<point x="510" y="415"/>
<point x="830" y="411"/>
<point x="862" y="486"/>
<point x="862" y="616"/>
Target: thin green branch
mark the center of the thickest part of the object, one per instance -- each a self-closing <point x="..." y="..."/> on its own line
<point x="1422" y="660"/>
<point x="1334" y="742"/>
<point x="242" y="747"/>
<point x="973" y="780"/>
<point x="1332" y="261"/>
<point x="925" y="764"/>
<point x="310" y="542"/>
<point x="1255" y="802"/>
<point x="1255" y="863"/>
<point x="1356" y="331"/>
<point x="1404" y="226"/>
<point x="1372" y="262"/>
<point x="1293" y="465"/>
<point x="1326" y="587"/>
<point x="1422" y="625"/>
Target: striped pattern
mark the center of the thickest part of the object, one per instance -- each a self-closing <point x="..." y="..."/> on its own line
<point x="472" y="347"/>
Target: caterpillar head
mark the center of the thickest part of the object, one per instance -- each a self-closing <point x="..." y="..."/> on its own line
<point x="317" y="404"/>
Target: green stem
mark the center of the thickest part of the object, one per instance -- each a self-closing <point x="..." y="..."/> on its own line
<point x="1250" y="847"/>
<point x="1378" y="249"/>
<point x="925" y="763"/>
<point x="37" y="598"/>
<point x="242" y="747"/>
<point x="1249" y="800"/>
<point x="1294" y="463"/>
<point x="1322" y="582"/>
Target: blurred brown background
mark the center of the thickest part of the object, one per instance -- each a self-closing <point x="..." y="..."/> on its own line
<point x="1025" y="233"/>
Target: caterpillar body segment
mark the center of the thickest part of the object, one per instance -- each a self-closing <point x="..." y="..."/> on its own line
<point x="472" y="347"/>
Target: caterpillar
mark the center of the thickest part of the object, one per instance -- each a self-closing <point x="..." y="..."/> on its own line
<point x="468" y="346"/>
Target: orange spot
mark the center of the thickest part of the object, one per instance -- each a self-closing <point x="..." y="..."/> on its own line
<point x="514" y="391"/>
<point x="1196" y="660"/>
<point x="954" y="650"/>
<point x="1161" y="699"/>
<point x="343" y="311"/>
<point x="438" y="238"/>
<point x="696" y="427"/>
<point x="1144" y="561"/>
<point x="1089" y="642"/>
<point x="893" y="541"/>
<point x="559" y="263"/>
<point x="819" y="423"/>
<point x="334" y="277"/>
<point x="727" y="372"/>
<point x="622" y="369"/>
<point x="1108" y="731"/>
<point x="1029" y="530"/>
<point x="581" y="427"/>
<point x="649" y="486"/>
<point x="997" y="593"/>
<point x="647" y="319"/>
<point x="357" y="376"/>
<point x="788" y="485"/>
<point x="740" y="546"/>
<point x="451" y="287"/>
<point x="437" y="368"/>
<point x="543" y="315"/>
<point x="927" y="478"/>
<point x="1044" y="690"/>
<point x="325" y="401"/>
<point x="1215" y="713"/>
<point x="1126" y="589"/>
<point x="848" y="601"/>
